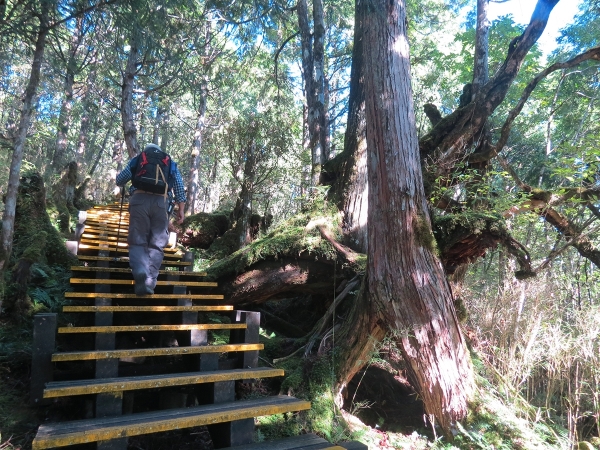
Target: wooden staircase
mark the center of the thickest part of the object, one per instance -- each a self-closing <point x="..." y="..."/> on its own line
<point x="150" y="364"/>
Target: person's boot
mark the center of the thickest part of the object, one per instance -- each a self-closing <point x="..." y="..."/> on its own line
<point x="140" y="284"/>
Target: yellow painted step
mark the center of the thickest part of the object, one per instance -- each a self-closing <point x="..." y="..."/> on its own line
<point x="125" y="251"/>
<point x="153" y="296"/>
<point x="124" y="270"/>
<point x="107" y="223"/>
<point x="104" y="241"/>
<point x="160" y="351"/>
<point x="93" y="430"/>
<point x="104" y="385"/>
<point x="125" y="259"/>
<point x="171" y="253"/>
<point x="95" y="309"/>
<point x="132" y="282"/>
<point x="124" y="328"/>
<point x="97" y="232"/>
<point x="85" y="236"/>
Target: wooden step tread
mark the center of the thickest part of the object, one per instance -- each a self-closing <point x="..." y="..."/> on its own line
<point x="93" y="430"/>
<point x="153" y="296"/>
<point x="159" y="351"/>
<point x="104" y="385"/>
<point x="132" y="282"/>
<point x="125" y="259"/>
<point x="102" y="241"/>
<point x="125" y="270"/>
<point x="302" y="442"/>
<point x="168" y="251"/>
<point x="96" y="231"/>
<point x="95" y="309"/>
<point x="87" y="235"/>
<point x="128" y="328"/>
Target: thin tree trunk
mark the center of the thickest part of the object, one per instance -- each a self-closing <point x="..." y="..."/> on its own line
<point x="320" y="126"/>
<point x="164" y="130"/>
<point x="117" y="153"/>
<point x="84" y="127"/>
<point x="480" y="69"/>
<point x="192" y="190"/>
<point x="407" y="284"/>
<point x="245" y="214"/>
<point x="129" y="129"/>
<point x="353" y="187"/>
<point x="64" y="117"/>
<point x="10" y="203"/>
<point x="157" y="124"/>
<point x="311" y="88"/>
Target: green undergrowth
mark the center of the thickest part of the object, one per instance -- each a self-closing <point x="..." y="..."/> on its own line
<point x="501" y="420"/>
<point x="308" y="379"/>
<point x="296" y="236"/>
<point x="17" y="421"/>
<point x="496" y="420"/>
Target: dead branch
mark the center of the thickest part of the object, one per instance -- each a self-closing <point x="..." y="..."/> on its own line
<point x="346" y="253"/>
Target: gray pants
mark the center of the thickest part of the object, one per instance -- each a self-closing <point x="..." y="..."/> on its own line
<point x="148" y="235"/>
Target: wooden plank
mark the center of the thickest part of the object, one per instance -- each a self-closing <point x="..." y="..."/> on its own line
<point x="125" y="259"/>
<point x="295" y="442"/>
<point x="125" y="328"/>
<point x="83" y="309"/>
<point x="160" y="351"/>
<point x="97" y="386"/>
<point x="93" y="430"/>
<point x="125" y="270"/>
<point x="101" y="241"/>
<point x="87" y="235"/>
<point x="153" y="296"/>
<point x="169" y="252"/>
<point x="98" y="232"/>
<point x="132" y="282"/>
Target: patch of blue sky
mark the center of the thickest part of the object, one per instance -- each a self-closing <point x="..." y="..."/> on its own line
<point x="521" y="10"/>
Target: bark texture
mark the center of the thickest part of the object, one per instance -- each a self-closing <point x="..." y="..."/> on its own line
<point x="409" y="293"/>
<point x="10" y="203"/>
<point x="312" y="45"/>
<point x="352" y="186"/>
<point x="129" y="129"/>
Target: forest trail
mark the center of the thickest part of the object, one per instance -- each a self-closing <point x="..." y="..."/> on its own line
<point x="136" y="365"/>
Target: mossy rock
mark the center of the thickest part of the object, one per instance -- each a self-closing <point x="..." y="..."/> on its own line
<point x="202" y="229"/>
<point x="32" y="218"/>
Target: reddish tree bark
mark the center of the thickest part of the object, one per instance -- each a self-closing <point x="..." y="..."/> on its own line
<point x="409" y="293"/>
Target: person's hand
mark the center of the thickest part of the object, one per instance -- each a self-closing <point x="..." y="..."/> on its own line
<point x="179" y="216"/>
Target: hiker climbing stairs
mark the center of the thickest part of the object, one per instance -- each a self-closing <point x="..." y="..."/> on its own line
<point x="148" y="364"/>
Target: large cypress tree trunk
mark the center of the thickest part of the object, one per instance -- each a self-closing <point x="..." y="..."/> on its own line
<point x="407" y="285"/>
<point x="10" y="203"/>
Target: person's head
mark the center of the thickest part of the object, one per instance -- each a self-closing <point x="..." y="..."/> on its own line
<point x="152" y="147"/>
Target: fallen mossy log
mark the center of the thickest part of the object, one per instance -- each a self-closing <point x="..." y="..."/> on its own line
<point x="270" y="279"/>
<point x="300" y="256"/>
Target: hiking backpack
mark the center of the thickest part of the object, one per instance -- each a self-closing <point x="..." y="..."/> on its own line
<point x="152" y="171"/>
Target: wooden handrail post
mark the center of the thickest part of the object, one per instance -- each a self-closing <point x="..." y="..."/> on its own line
<point x="44" y="339"/>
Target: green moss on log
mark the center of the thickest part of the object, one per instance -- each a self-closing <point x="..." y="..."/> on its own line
<point x="450" y="228"/>
<point x="293" y="238"/>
